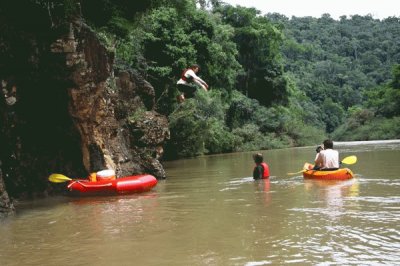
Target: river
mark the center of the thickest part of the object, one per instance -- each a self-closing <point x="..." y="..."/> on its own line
<point x="211" y="212"/>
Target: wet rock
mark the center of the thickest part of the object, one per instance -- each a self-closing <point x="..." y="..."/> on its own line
<point x="6" y="206"/>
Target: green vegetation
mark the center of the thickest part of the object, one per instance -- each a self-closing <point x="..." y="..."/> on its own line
<point x="275" y="82"/>
<point x="345" y="68"/>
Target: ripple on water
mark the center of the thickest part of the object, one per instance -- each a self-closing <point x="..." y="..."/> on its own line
<point x="370" y="237"/>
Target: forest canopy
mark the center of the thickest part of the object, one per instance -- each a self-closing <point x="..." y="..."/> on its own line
<point x="274" y="81"/>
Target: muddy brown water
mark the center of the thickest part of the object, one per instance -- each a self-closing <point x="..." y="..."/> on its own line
<point x="210" y="212"/>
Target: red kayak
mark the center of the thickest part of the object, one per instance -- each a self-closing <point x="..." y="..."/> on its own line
<point x="123" y="185"/>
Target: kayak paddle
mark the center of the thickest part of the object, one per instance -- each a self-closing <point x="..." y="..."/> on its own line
<point x="305" y="168"/>
<point x="59" y="178"/>
<point x="350" y="160"/>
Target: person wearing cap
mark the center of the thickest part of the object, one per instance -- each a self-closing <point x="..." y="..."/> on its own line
<point x="261" y="170"/>
<point x="190" y="82"/>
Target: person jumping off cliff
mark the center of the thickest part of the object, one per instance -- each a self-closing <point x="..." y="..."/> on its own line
<point x="189" y="83"/>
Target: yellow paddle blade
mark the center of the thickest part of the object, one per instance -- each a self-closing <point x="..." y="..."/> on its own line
<point x="350" y="160"/>
<point x="58" y="178"/>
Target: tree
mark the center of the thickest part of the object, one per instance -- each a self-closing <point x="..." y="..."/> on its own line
<point x="172" y="42"/>
<point x="333" y="114"/>
<point x="395" y="83"/>
<point x="258" y="42"/>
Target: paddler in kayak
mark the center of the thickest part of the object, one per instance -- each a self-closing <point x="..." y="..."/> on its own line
<point x="328" y="158"/>
<point x="189" y="83"/>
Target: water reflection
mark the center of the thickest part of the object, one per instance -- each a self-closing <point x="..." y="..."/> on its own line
<point x="264" y="186"/>
<point x="108" y="217"/>
<point x="333" y="193"/>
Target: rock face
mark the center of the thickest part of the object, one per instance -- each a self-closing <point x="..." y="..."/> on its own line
<point x="113" y="113"/>
<point x="6" y="206"/>
<point x="65" y="108"/>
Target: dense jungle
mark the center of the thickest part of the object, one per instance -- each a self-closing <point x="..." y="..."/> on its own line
<point x="274" y="82"/>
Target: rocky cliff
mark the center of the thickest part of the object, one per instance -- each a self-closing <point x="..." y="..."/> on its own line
<point x="66" y="108"/>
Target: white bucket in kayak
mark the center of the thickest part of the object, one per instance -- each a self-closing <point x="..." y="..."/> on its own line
<point x="108" y="174"/>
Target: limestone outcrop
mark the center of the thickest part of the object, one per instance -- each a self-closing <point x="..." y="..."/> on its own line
<point x="112" y="110"/>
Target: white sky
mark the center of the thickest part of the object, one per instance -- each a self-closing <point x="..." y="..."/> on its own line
<point x="379" y="9"/>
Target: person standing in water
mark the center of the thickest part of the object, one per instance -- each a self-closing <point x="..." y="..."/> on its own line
<point x="190" y="82"/>
<point x="261" y="170"/>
